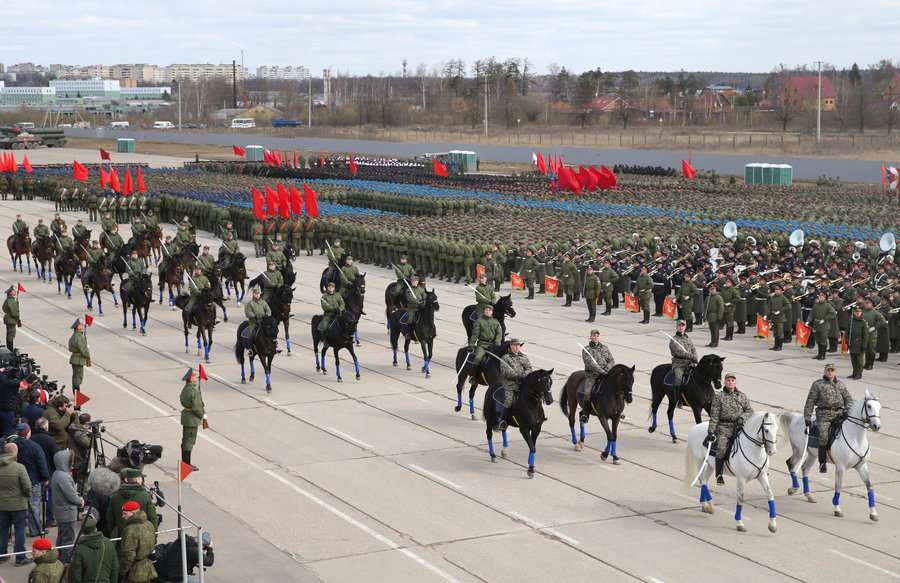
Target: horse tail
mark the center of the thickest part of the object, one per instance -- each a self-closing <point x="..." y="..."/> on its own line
<point x="784" y="421"/>
<point x="564" y="399"/>
<point x="238" y="348"/>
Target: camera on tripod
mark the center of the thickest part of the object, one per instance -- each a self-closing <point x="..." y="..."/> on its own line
<point x="135" y="454"/>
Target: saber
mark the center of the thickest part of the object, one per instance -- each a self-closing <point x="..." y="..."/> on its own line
<point x="128" y="267"/>
<point x="588" y="353"/>
<point x="477" y="292"/>
<point x="463" y="365"/>
<point x="705" y="463"/>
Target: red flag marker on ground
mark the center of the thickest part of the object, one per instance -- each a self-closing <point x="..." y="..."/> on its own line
<point x="238" y="151"/>
<point x="687" y="170"/>
<point x="89" y="320"/>
<point x="81" y="398"/>
<point x="27" y="165"/>
<point x="202" y="373"/>
<point x="21" y="288"/>
<point x="104" y="155"/>
<point x="184" y="470"/>
<point x="352" y="166"/>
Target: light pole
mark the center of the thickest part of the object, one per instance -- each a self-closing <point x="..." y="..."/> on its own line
<point x="819" y="107"/>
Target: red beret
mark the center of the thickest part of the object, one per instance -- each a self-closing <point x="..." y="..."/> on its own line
<point x="131" y="506"/>
<point x="42" y="544"/>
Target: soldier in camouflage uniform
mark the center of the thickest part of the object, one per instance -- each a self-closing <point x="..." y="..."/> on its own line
<point x="598" y="360"/>
<point x="514" y="366"/>
<point x="730" y="409"/>
<point x="830" y="399"/>
<point x="684" y="355"/>
<point x="486" y="332"/>
<point x="332" y="306"/>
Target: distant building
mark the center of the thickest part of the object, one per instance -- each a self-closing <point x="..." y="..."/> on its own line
<point x="806" y="87"/>
<point x="79" y="88"/>
<point x="134" y="73"/>
<point x="289" y="73"/>
<point x="146" y="93"/>
<point x="198" y="72"/>
<point x="892" y="89"/>
<point x="27" y="96"/>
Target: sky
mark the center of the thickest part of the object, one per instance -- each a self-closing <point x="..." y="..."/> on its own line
<point x="375" y="36"/>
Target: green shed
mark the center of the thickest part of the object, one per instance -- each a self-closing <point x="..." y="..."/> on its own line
<point x="125" y="146"/>
<point x="253" y="154"/>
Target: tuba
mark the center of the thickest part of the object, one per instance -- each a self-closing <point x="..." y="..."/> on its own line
<point x="730" y="231"/>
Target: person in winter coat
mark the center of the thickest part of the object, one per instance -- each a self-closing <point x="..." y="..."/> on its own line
<point x="47" y="568"/>
<point x="66" y="501"/>
<point x="138" y="541"/>
<point x="94" y="559"/>
<point x="15" y="489"/>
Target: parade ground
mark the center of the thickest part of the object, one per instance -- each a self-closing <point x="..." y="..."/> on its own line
<point x="379" y="480"/>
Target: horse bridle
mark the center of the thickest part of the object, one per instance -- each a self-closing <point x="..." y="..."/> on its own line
<point x="865" y="423"/>
<point x="762" y="442"/>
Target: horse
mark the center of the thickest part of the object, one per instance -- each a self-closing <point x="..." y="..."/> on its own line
<point x="81" y="244"/>
<point x="118" y="262"/>
<point x="141" y="244"/>
<point x="99" y="280"/>
<point x="850" y="449"/>
<point x="288" y="274"/>
<point x="526" y="413"/>
<point x="354" y="295"/>
<point x="393" y="302"/>
<point x="502" y="309"/>
<point x="264" y="345"/>
<point x="19" y="244"/>
<point x="280" y="305"/>
<point x="171" y="277"/>
<point x="330" y="275"/>
<point x="697" y="389"/>
<point x="607" y="403"/>
<point x="154" y="236"/>
<point x="217" y="294"/>
<point x="488" y="373"/>
<point x="754" y="444"/>
<point x="423" y="330"/>
<point x="66" y="266"/>
<point x="138" y="298"/>
<point x="44" y="253"/>
<point x="204" y="317"/>
<point x="235" y="275"/>
<point x="339" y="335"/>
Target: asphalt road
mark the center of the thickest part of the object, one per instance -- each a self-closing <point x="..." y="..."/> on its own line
<point x="379" y="480"/>
<point x="805" y="168"/>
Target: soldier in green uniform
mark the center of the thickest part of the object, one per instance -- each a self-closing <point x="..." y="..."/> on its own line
<point x="567" y="275"/>
<point x="415" y="299"/>
<point x="714" y="313"/>
<point x="206" y="261"/>
<point x="196" y="286"/>
<point x="193" y="415"/>
<point x="730" y="299"/>
<point x="276" y="256"/>
<point x="255" y="310"/>
<point x="93" y="204"/>
<point x="839" y="322"/>
<point x="874" y="320"/>
<point x="608" y="279"/>
<point x="183" y="238"/>
<point x="684" y="355"/>
<point x="529" y="271"/>
<point x="514" y="366"/>
<point x="47" y="566"/>
<point x="56" y="225"/>
<point x="138" y="541"/>
<point x="486" y="332"/>
<point x="332" y="305"/>
<point x="19" y="226"/>
<point x="11" y="316"/>
<point x="132" y="489"/>
<point x="296" y="234"/>
<point x="592" y="287"/>
<point x="348" y="274"/>
<point x="41" y="231"/>
<point x="79" y="230"/>
<point x="135" y="268"/>
<point x="730" y="410"/>
<point x="685" y="301"/>
<point x="404" y="271"/>
<point x="857" y="340"/>
<point x="742" y="304"/>
<point x="80" y="355"/>
<point x="138" y="229"/>
<point x="107" y="223"/>
<point x="821" y="318"/>
<point x="830" y="399"/>
<point x="258" y="236"/>
<point x="309" y="227"/>
<point x="114" y="241"/>
<point x="484" y="294"/>
<point x="228" y="250"/>
<point x="271" y="281"/>
<point x="779" y="309"/>
<point x="598" y="360"/>
<point x="644" y="290"/>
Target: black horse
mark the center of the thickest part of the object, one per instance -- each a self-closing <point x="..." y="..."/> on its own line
<point x="422" y="330"/>
<point x="354" y="295"/>
<point x="217" y="291"/>
<point x="393" y="302"/>
<point x="19" y="245"/>
<point x="234" y="276"/>
<point x="264" y="345"/>
<point x="288" y="274"/>
<point x="487" y="373"/>
<point x="138" y="295"/>
<point x="502" y="309"/>
<point x="99" y="280"/>
<point x="171" y="272"/>
<point x="204" y="318"/>
<point x="697" y="391"/>
<point x="338" y="335"/>
<point x="66" y="266"/>
<point x="280" y="306"/>
<point x="44" y="252"/>
<point x="526" y="413"/>
<point x="607" y="403"/>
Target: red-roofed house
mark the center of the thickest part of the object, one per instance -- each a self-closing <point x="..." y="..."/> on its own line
<point x="807" y="87"/>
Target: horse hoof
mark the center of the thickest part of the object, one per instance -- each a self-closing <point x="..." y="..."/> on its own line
<point x="773" y="527"/>
<point x="395" y="365"/>
<point x="474" y="418"/>
<point x="427" y="375"/>
<point x="457" y="409"/>
<point x="674" y="440"/>
<point x="579" y="446"/>
<point x="243" y="381"/>
<point x="604" y="455"/>
<point x="651" y="429"/>
<point x="810" y="498"/>
<point x="530" y="473"/>
<point x="252" y="378"/>
<point x="408" y="367"/>
<point x="792" y="491"/>
<point x="616" y="461"/>
<point x="268" y="390"/>
<point x="493" y="459"/>
<point x="741" y="527"/>
<point x="503" y="453"/>
<point x="873" y="516"/>
<point x="357" y="377"/>
<point x="340" y="380"/>
<point x="838" y="513"/>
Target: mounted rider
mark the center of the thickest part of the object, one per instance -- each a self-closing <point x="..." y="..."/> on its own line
<point x="332" y="306"/>
<point x="135" y="267"/>
<point x="138" y="229"/>
<point x="486" y="333"/>
<point x="93" y="259"/>
<point x="598" y="361"/>
<point x="276" y="255"/>
<point x="404" y="272"/>
<point x="57" y="224"/>
<point x="730" y="410"/>
<point x="271" y="281"/>
<point x="831" y="400"/>
<point x="107" y="222"/>
<point x="114" y="241"/>
<point x="205" y="261"/>
<point x="336" y="253"/>
<point x="228" y="250"/>
<point x="64" y="243"/>
<point x="514" y="366"/>
<point x="684" y="356"/>
<point x="197" y="284"/>
<point x="255" y="310"/>
<point x="41" y="231"/>
<point x="79" y="231"/>
<point x="20" y="226"/>
<point x="415" y="299"/>
<point x="348" y="274"/>
<point x="484" y="293"/>
<point x="183" y="238"/>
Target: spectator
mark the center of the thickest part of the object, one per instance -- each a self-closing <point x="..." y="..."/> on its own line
<point x="131" y="489"/>
<point x="60" y="415"/>
<point x="41" y="437"/>
<point x="138" y="541"/>
<point x="103" y="482"/>
<point x="15" y="488"/>
<point x="31" y="455"/>
<point x="94" y="559"/>
<point x="33" y="400"/>
<point x="168" y="558"/>
<point x="47" y="568"/>
<point x="9" y="398"/>
<point x="66" y="502"/>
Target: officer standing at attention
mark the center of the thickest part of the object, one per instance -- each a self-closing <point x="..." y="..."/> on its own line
<point x="11" y="316"/>
<point x="192" y="415"/>
<point x="80" y="356"/>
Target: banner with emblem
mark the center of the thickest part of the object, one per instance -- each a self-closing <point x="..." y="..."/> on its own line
<point x="669" y="308"/>
<point x="517" y="281"/>
<point x="551" y="285"/>
<point x="845" y="348"/>
<point x="631" y="303"/>
<point x="479" y="271"/>
<point x="762" y="327"/>
<point x="802" y="333"/>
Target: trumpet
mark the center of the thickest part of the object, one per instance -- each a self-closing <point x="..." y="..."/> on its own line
<point x="834" y="281"/>
<point x="768" y="271"/>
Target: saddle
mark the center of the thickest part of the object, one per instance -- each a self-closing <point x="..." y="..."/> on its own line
<point x="714" y="448"/>
<point x="594" y="390"/>
<point x="833" y="430"/>
<point x="473" y="316"/>
<point x="405" y="325"/>
<point x="669" y="380"/>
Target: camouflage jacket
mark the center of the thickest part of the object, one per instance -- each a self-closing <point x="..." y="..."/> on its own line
<point x="597" y="359"/>
<point x="825" y="394"/>
<point x="729" y="407"/>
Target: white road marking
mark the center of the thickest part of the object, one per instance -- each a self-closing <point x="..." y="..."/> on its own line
<point x="417" y="398"/>
<point x="654" y="580"/>
<point x="685" y="496"/>
<point x="551" y="531"/>
<point x="358" y="442"/>
<point x="866" y="563"/>
<point x="887" y="451"/>
<point x="422" y="470"/>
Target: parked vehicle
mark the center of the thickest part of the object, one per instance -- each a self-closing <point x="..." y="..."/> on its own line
<point x="163" y="125"/>
<point x="280" y="122"/>
<point x="243" y="123"/>
<point x="119" y="124"/>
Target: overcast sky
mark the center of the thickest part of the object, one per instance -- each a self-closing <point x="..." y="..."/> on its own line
<point x="375" y="36"/>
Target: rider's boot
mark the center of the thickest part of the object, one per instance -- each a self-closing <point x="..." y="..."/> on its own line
<point x="823" y="456"/>
<point x="677" y="390"/>
<point x="720" y="468"/>
<point x="585" y="414"/>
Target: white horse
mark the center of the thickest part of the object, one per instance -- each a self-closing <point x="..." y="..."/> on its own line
<point x="849" y="450"/>
<point x="749" y="460"/>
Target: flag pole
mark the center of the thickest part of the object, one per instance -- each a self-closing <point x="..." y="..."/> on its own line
<point x="184" y="573"/>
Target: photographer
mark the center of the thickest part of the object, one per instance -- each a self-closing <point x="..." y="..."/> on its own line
<point x="31" y="455"/>
<point x="9" y="399"/>
<point x="32" y="399"/>
<point x="60" y="415"/>
<point x="167" y="558"/>
<point x="80" y="444"/>
<point x="40" y="436"/>
<point x="131" y="489"/>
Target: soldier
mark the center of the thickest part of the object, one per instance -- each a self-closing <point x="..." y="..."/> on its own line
<point x="714" y="313"/>
<point x="64" y="243"/>
<point x="830" y="399"/>
<point x="114" y="241"/>
<point x="271" y="281"/>
<point x="138" y="541"/>
<point x="685" y="301"/>
<point x="486" y="332"/>
<point x="566" y="275"/>
<point x="644" y="288"/>
<point x="107" y="223"/>
<point x="80" y="444"/>
<point x="403" y="271"/>
<point x="415" y="299"/>
<point x="196" y="286"/>
<point x="591" y="292"/>
<point x="820" y="320"/>
<point x="94" y="558"/>
<point x="80" y="356"/>
<point x="332" y="306"/>
<point x="530" y="268"/>
<point x="741" y="301"/>
<point x="296" y="234"/>
<point x="47" y="566"/>
<point x="138" y="229"/>
<point x="255" y="310"/>
<point x="93" y="259"/>
<point x="205" y="261"/>
<point x="730" y="410"/>
<point x="874" y="320"/>
<point x="20" y="226"/>
<point x="348" y="273"/>
<point x="840" y="322"/>
<point x="228" y="250"/>
<point x="514" y="366"/>
<point x="56" y="225"/>
<point x="684" y="355"/>
<point x="193" y="415"/>
<point x="11" y="317"/>
<point x="598" y="360"/>
<point x="779" y="310"/>
<point x="484" y="293"/>
<point x="41" y="231"/>
<point x="309" y="227"/>
<point x="730" y="299"/>
<point x="258" y="236"/>
<point x="135" y="268"/>
<point x="858" y="341"/>
<point x="183" y="238"/>
<point x="93" y="203"/>
<point x="132" y="488"/>
<point x="336" y="253"/>
<point x="276" y="256"/>
<point x="79" y="230"/>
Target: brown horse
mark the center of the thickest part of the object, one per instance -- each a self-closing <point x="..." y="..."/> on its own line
<point x="44" y="253"/>
<point x="607" y="403"/>
<point x="100" y="279"/>
<point x="141" y="244"/>
<point x="154" y="236"/>
<point x="81" y="245"/>
<point x="19" y="244"/>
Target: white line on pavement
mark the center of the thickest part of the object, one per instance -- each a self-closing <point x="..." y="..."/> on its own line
<point x="417" y="398"/>
<point x="866" y="563"/>
<point x="422" y="470"/>
<point x="358" y="442"/>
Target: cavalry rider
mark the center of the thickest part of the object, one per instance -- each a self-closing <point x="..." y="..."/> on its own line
<point x="683" y="356"/>
<point x="107" y="223"/>
<point x="135" y="267"/>
<point x="114" y="241"/>
<point x="349" y="273"/>
<point x="730" y="409"/>
<point x="514" y="366"/>
<point x="484" y="293"/>
<point x="167" y="250"/>
<point x="598" y="360"/>
<point x="415" y="299"/>
<point x="41" y="231"/>
<point x="186" y="223"/>
<point x="183" y="238"/>
<point x="332" y="306"/>
<point x="830" y="399"/>
<point x="138" y="229"/>
<point x="64" y="243"/>
<point x="486" y="333"/>
<point x="271" y="281"/>
<point x="228" y="250"/>
<point x="255" y="310"/>
<point x="20" y="226"/>
<point x="93" y="259"/>
<point x="404" y="272"/>
<point x="276" y="256"/>
<point x="196" y="285"/>
<point x="151" y="220"/>
<point x="79" y="230"/>
<point x="205" y="261"/>
<point x="57" y="224"/>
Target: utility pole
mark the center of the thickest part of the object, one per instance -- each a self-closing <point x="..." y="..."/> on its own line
<point x="485" y="104"/>
<point x="179" y="105"/>
<point x="309" y="98"/>
<point x="819" y="107"/>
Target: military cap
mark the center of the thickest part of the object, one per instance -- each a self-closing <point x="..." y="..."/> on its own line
<point x="90" y="524"/>
<point x="75" y="323"/>
<point x="730" y="375"/>
<point x="130" y="473"/>
<point x="187" y="375"/>
<point x="42" y="544"/>
<point x="516" y="341"/>
<point x="10" y="290"/>
<point x="595" y="331"/>
<point x="131" y="506"/>
<point x="681" y="323"/>
<point x="831" y="366"/>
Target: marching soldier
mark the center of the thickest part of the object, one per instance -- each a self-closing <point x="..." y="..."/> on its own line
<point x="644" y="289"/>
<point x="486" y="332"/>
<point x="193" y="415"/>
<point x="514" y="366"/>
<point x="684" y="355"/>
<point x="528" y="272"/>
<point x="11" y="317"/>
<point x="255" y="311"/>
<point x="730" y="409"/>
<point x="592" y="292"/>
<point x="821" y="318"/>
<point x="80" y="356"/>
<point x="332" y="306"/>
<point x="779" y="311"/>
<point x="608" y="278"/>
<point x="258" y="235"/>
<point x="598" y="360"/>
<point x="93" y="203"/>
<point x="714" y="313"/>
<point x="685" y="301"/>
<point x="830" y="399"/>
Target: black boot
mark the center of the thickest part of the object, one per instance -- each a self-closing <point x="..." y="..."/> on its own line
<point x="530" y="293"/>
<point x="870" y="361"/>
<point x="823" y="456"/>
<point x="677" y="391"/>
<point x="742" y="328"/>
<point x="720" y="468"/>
<point x="541" y="289"/>
<point x="822" y="349"/>
<point x="585" y="414"/>
<point x="646" y="319"/>
<point x="576" y="297"/>
<point x="832" y="344"/>
<point x="729" y="333"/>
<point x="559" y="292"/>
<point x="568" y="303"/>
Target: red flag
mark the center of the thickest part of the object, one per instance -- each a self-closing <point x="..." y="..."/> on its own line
<point x="114" y="180"/>
<point x="312" y="205"/>
<point x="104" y="178"/>
<point x="352" y="167"/>
<point x="184" y="470"/>
<point x="568" y="180"/>
<point x="104" y="155"/>
<point x="81" y="398"/>
<point x="845" y="348"/>
<point x="21" y="288"/>
<point x="516" y="280"/>
<point x="610" y="177"/>
<point x="140" y="181"/>
<point x="271" y="202"/>
<point x="79" y="171"/>
<point x="687" y="170"/>
<point x="631" y="303"/>
<point x="284" y="202"/>
<point x="238" y="151"/>
<point x="202" y="373"/>
<point x="276" y="157"/>
<point x="129" y="185"/>
<point x="258" y="204"/>
<point x="762" y="327"/>
<point x="551" y="285"/>
<point x="553" y="167"/>
<point x="542" y="166"/>
<point x="669" y="308"/>
<point x="296" y="201"/>
<point x="321" y="159"/>
<point x="4" y="162"/>
<point x="802" y="333"/>
<point x="269" y="157"/>
<point x="440" y="169"/>
<point x="89" y="320"/>
<point x="27" y="165"/>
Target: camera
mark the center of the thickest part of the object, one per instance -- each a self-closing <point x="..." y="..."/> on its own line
<point x="135" y="454"/>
